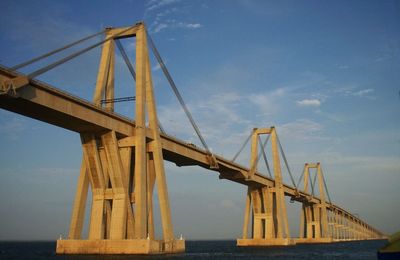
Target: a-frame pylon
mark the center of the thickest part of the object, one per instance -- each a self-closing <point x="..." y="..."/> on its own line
<point x="265" y="206"/>
<point x="314" y="221"/>
<point x="122" y="171"/>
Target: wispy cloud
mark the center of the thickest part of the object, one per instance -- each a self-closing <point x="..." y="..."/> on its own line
<point x="158" y="26"/>
<point x="157" y="66"/>
<point x="364" y="92"/>
<point x="163" y="15"/>
<point x="355" y="91"/>
<point x="190" y="25"/>
<point x="268" y="101"/>
<point x="367" y="163"/>
<point x="309" y="103"/>
<point x="301" y="129"/>
<point x="208" y="116"/>
<point x="156" y="4"/>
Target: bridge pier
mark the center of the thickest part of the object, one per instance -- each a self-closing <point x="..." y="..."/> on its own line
<point x="265" y="206"/>
<point x="267" y="227"/>
<point x="123" y="177"/>
<point x="314" y="218"/>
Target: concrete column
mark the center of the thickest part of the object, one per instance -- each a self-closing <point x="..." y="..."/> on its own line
<point x="140" y="138"/>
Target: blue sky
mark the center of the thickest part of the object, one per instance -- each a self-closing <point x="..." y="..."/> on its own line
<point x="325" y="73"/>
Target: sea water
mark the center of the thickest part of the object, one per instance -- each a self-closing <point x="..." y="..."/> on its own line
<point x="211" y="250"/>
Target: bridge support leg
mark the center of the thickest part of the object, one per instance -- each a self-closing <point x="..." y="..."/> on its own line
<point x="262" y="203"/>
<point x="78" y="211"/>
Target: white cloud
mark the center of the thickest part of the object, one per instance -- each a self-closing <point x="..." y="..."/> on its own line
<point x="190" y="25"/>
<point x="354" y="90"/>
<point x="165" y="17"/>
<point x="219" y="119"/>
<point x="301" y="129"/>
<point x="363" y="92"/>
<point x="365" y="163"/>
<point x="309" y="103"/>
<point x="268" y="101"/>
<point x="160" y="27"/>
<point x="157" y="4"/>
<point x="156" y="67"/>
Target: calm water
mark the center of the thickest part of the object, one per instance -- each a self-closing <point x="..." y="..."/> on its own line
<point x="211" y="250"/>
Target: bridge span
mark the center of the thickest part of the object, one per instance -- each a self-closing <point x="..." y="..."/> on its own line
<point x="123" y="163"/>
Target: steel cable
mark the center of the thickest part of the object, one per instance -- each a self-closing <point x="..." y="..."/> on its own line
<point x="55" y="51"/>
<point x="265" y="157"/>
<point x="259" y="154"/>
<point x="176" y="91"/>
<point x="242" y="147"/>
<point x="301" y="176"/>
<point x="126" y="59"/>
<point x="311" y="184"/>
<point x="286" y="162"/>
<point x="132" y="71"/>
<point x="326" y="187"/>
<point x="314" y="181"/>
<point x="73" y="55"/>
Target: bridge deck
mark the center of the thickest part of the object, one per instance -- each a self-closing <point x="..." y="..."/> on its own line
<point x="48" y="104"/>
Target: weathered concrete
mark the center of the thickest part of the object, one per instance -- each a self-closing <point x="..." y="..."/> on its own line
<point x="266" y="242"/>
<point x="313" y="240"/>
<point x="123" y="246"/>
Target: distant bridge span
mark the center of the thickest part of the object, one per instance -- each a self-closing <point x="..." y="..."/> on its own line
<point x="123" y="160"/>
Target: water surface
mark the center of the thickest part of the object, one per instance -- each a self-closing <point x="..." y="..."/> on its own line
<point x="211" y="250"/>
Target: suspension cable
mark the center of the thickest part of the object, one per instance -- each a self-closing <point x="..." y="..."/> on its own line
<point x="126" y="59"/>
<point x="259" y="154"/>
<point x="314" y="181"/>
<point x="311" y="183"/>
<point x="132" y="71"/>
<point x="265" y="157"/>
<point x="242" y="147"/>
<point x="176" y="91"/>
<point x="24" y="64"/>
<point x="286" y="162"/>
<point x="160" y="126"/>
<point x="73" y="55"/>
<point x="326" y="187"/>
<point x="301" y="176"/>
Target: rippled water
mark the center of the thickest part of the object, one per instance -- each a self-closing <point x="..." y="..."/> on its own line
<point x="211" y="250"/>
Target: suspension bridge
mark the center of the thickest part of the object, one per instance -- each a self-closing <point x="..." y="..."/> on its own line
<point x="123" y="162"/>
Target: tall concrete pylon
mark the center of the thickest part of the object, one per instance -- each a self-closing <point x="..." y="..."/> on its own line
<point x="314" y="226"/>
<point x="265" y="205"/>
<point x="123" y="172"/>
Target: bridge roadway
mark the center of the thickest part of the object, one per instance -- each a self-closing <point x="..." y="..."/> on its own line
<point x="43" y="102"/>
